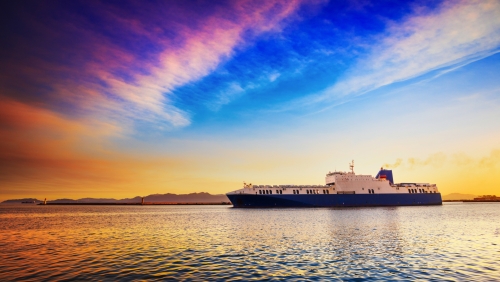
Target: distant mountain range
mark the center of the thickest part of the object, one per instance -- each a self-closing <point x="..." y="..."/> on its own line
<point x="19" y="201"/>
<point x="202" y="197"/>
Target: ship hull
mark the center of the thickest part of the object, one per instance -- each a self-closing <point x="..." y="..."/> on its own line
<point x="334" y="200"/>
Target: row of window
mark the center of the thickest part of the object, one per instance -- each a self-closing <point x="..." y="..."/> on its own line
<point x="415" y="191"/>
<point x="370" y="191"/>
<point x="270" y="192"/>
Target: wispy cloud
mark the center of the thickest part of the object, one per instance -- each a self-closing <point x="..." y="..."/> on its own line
<point x="130" y="65"/>
<point x="233" y="91"/>
<point x="456" y="33"/>
<point x="201" y="52"/>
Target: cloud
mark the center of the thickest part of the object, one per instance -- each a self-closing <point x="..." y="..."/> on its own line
<point x="123" y="63"/>
<point x="457" y="33"/>
<point x="35" y="139"/>
<point x="45" y="153"/>
<point x="273" y="76"/>
<point x="233" y="91"/>
<point x="42" y="133"/>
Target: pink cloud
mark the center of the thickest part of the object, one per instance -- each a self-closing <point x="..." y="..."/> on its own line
<point x="202" y="50"/>
<point x="116" y="78"/>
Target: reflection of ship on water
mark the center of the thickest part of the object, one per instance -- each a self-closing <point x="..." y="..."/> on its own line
<point x="342" y="189"/>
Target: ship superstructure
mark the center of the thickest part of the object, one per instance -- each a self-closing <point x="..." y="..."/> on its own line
<point x="341" y="189"/>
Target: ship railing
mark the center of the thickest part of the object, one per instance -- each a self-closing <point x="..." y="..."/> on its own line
<point x="286" y="186"/>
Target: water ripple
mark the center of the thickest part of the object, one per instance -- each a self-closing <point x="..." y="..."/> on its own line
<point x="192" y="243"/>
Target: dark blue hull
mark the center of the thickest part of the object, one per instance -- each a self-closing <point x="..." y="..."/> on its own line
<point x="334" y="200"/>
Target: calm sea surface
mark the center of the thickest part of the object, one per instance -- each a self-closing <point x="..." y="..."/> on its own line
<point x="456" y="241"/>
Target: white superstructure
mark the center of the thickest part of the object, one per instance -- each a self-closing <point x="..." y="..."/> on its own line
<point x="344" y="183"/>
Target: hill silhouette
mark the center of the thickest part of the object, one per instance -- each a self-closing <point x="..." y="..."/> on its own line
<point x="202" y="197"/>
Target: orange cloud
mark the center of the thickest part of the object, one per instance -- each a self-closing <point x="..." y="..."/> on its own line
<point x="46" y="151"/>
<point x="47" y="154"/>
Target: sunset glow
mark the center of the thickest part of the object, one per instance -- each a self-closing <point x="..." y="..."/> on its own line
<point x="121" y="99"/>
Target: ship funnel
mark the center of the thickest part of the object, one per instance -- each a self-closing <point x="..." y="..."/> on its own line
<point x="385" y="173"/>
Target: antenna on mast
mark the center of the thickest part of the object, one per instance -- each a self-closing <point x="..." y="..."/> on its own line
<point x="351" y="165"/>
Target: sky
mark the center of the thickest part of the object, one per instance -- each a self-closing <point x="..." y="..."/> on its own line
<point x="131" y="98"/>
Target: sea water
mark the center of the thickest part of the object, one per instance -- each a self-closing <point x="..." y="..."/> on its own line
<point x="455" y="241"/>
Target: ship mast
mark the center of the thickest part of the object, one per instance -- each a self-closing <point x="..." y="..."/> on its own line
<point x="351" y="165"/>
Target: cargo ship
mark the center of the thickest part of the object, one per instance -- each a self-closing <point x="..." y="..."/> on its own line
<point x="342" y="189"/>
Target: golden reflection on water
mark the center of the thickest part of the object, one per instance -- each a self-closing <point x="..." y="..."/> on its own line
<point x="456" y="241"/>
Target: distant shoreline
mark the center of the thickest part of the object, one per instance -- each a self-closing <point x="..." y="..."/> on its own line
<point x="129" y="204"/>
<point x="473" y="201"/>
